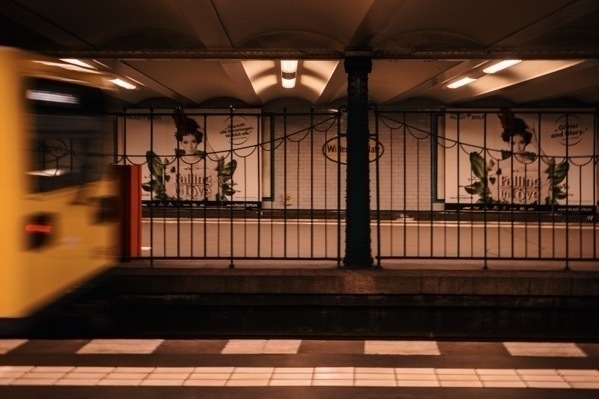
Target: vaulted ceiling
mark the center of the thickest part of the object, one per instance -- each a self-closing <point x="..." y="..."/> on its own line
<point x="203" y="52"/>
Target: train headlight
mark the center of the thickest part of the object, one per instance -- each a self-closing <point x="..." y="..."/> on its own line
<point x="40" y="230"/>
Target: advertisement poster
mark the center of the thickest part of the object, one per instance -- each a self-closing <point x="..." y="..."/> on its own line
<point x="520" y="161"/>
<point x="193" y="158"/>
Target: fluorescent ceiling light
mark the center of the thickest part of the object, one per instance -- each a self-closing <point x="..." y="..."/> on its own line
<point x="500" y="65"/>
<point x="288" y="83"/>
<point x="460" y="83"/>
<point x="122" y="83"/>
<point x="288" y="66"/>
<point x="288" y="73"/>
<point x="75" y="61"/>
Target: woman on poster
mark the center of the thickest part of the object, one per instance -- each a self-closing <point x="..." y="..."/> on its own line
<point x="186" y="177"/>
<point x="522" y="186"/>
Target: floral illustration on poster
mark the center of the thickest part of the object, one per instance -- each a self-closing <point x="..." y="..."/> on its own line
<point x="527" y="161"/>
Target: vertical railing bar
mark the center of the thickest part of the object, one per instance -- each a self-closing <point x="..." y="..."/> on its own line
<point x="339" y="257"/>
<point x="486" y="204"/>
<point x="459" y="210"/>
<point x="297" y="195"/>
<point x="580" y="215"/>
<point x="596" y="191"/>
<point x="445" y="217"/>
<point x="177" y="203"/>
<point x="392" y="188"/>
<point x="567" y="232"/>
<point x="272" y="219"/>
<point x="205" y="210"/>
<point x="512" y="205"/>
<point x="553" y="224"/>
<point x="378" y="120"/>
<point x="245" y="209"/>
<point x="417" y="193"/>
<point x="272" y="180"/>
<point x="524" y="215"/>
<point x="218" y="225"/>
<point x="273" y="167"/>
<point x="326" y="192"/>
<point x="499" y="216"/>
<point x="539" y="208"/>
<point x="231" y="208"/>
<point x="472" y="211"/>
<point x="164" y="224"/>
<point x="260" y="127"/>
<point x="311" y="183"/>
<point x="377" y="188"/>
<point x="218" y="214"/>
<point x="285" y="182"/>
<point x="435" y="128"/>
<point x="192" y="207"/>
<point x="553" y="216"/>
<point x="405" y="185"/>
<point x="400" y="189"/>
<point x="434" y="165"/>
<point x="554" y="211"/>
<point x="151" y="200"/>
<point x="325" y="203"/>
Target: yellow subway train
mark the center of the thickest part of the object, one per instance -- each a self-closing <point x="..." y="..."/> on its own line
<point x="59" y="201"/>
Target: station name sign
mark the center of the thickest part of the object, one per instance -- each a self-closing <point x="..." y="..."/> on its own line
<point x="335" y="149"/>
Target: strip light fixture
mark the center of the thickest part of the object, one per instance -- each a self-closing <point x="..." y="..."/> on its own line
<point x="500" y="65"/>
<point x="288" y="73"/>
<point x="496" y="67"/>
<point x="460" y="83"/>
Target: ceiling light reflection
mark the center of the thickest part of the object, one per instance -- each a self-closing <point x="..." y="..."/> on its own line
<point x="288" y="83"/>
<point x="75" y="61"/>
<point x="122" y="83"/>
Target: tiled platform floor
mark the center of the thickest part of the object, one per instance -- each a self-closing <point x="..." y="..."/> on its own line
<point x="299" y="363"/>
<point x="299" y="376"/>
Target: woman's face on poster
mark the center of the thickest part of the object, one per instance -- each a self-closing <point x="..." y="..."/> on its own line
<point x="189" y="144"/>
<point x="518" y="144"/>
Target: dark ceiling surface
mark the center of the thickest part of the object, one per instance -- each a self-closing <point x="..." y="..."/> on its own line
<point x="202" y="52"/>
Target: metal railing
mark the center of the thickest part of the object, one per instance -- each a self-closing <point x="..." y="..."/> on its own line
<point x="441" y="187"/>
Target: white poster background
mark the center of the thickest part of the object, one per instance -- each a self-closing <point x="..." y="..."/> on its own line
<point x="237" y="138"/>
<point x="513" y="182"/>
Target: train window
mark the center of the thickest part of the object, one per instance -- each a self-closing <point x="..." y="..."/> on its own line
<point x="67" y="159"/>
<point x="69" y="122"/>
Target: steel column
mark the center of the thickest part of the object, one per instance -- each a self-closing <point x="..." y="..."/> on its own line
<point x="357" y="249"/>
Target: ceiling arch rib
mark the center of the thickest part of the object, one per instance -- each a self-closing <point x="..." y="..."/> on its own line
<point x="288" y="39"/>
<point x="429" y="39"/>
<point x="157" y="39"/>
